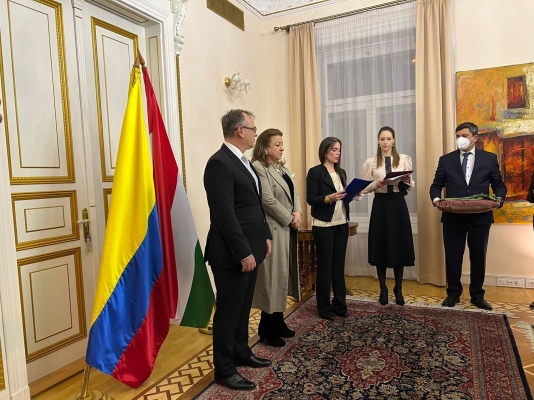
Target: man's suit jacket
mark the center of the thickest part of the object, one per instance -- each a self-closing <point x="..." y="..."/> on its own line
<point x="238" y="226"/>
<point x="449" y="175"/>
<point x="318" y="185"/>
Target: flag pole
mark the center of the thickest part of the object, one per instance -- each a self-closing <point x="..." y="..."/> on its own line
<point x="87" y="394"/>
<point x="209" y="329"/>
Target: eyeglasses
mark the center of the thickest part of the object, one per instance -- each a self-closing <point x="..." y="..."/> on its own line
<point x="252" y="129"/>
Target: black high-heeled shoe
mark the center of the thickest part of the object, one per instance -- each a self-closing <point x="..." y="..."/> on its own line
<point x="399" y="299"/>
<point x="383" y="298"/>
<point x="288" y="333"/>
<point x="276" y="342"/>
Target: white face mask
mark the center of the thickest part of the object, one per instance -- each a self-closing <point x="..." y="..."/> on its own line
<point x="463" y="143"/>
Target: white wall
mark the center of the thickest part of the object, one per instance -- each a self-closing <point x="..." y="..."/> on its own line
<point x="493" y="33"/>
<point x="487" y="33"/>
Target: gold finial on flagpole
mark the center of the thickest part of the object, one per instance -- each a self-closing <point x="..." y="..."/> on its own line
<point x="87" y="394"/>
<point x="141" y="59"/>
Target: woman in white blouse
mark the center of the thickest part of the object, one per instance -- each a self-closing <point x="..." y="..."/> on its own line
<point x="390" y="242"/>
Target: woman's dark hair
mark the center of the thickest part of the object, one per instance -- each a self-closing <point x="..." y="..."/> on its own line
<point x="396" y="157"/>
<point x="262" y="142"/>
<point x="324" y="148"/>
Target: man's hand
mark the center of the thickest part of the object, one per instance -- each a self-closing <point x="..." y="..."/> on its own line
<point x="269" y="248"/>
<point x="249" y="263"/>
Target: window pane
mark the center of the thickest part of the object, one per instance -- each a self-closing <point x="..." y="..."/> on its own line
<point x="350" y="127"/>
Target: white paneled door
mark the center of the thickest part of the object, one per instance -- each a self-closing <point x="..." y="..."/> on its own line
<point x="64" y="73"/>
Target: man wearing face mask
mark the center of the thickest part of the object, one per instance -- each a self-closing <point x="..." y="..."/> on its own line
<point x="466" y="172"/>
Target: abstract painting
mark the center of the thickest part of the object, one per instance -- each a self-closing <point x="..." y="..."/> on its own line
<point x="500" y="101"/>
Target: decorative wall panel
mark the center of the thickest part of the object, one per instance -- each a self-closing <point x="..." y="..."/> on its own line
<point x="44" y="218"/>
<point x="114" y="52"/>
<point x="38" y="127"/>
<point x="51" y="287"/>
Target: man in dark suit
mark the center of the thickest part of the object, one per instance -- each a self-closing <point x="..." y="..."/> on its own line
<point x="466" y="172"/>
<point x="239" y="239"/>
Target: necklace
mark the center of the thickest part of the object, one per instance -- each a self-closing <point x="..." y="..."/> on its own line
<point x="278" y="168"/>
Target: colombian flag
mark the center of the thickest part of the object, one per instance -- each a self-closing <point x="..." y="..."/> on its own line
<point x="131" y="310"/>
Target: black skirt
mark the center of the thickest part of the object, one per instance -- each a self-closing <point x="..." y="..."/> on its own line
<point x="390" y="241"/>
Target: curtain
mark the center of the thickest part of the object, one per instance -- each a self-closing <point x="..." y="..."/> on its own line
<point x="304" y="109"/>
<point x="366" y="66"/>
<point x="434" y="126"/>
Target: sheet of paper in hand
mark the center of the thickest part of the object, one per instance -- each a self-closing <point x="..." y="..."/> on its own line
<point x="391" y="176"/>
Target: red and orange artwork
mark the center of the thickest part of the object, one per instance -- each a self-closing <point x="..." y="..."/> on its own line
<point x="499" y="101"/>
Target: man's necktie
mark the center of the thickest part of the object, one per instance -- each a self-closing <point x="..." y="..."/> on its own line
<point x="464" y="162"/>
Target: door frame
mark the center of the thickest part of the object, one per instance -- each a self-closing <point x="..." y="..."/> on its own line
<point x="15" y="371"/>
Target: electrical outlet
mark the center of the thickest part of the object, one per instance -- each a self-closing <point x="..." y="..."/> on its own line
<point x="515" y="282"/>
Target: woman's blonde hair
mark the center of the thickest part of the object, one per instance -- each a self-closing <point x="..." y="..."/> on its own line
<point x="262" y="143"/>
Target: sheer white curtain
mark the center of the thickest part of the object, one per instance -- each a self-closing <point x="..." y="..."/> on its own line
<point x="366" y="66"/>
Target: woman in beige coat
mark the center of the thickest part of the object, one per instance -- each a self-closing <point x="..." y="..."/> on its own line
<point x="278" y="275"/>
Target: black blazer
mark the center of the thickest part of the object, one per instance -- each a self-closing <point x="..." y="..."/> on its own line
<point x="318" y="185"/>
<point x="449" y="175"/>
<point x="530" y="195"/>
<point x="238" y="226"/>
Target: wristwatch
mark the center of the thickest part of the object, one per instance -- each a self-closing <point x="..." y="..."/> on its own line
<point x="326" y="200"/>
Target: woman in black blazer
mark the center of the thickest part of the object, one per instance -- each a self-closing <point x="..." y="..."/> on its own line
<point x="325" y="193"/>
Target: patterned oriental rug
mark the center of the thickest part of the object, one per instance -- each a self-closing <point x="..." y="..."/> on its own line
<point x="388" y="352"/>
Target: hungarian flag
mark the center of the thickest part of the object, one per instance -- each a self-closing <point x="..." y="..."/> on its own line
<point x="130" y="314"/>
<point x="182" y="255"/>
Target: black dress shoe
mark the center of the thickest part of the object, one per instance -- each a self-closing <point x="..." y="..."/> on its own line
<point x="450" y="301"/>
<point x="342" y="314"/>
<point x="328" y="317"/>
<point x="253" y="362"/>
<point x="399" y="298"/>
<point x="275" y="342"/>
<point x="383" y="299"/>
<point x="532" y="305"/>
<point x="236" y="382"/>
<point x="481" y="303"/>
<point x="287" y="333"/>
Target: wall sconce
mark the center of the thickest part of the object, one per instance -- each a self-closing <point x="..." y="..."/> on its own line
<point x="235" y="86"/>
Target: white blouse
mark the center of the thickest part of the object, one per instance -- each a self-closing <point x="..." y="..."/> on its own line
<point x="340" y="215"/>
<point x="371" y="172"/>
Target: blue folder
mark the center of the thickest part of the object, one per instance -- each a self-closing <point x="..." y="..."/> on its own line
<point x="355" y="187"/>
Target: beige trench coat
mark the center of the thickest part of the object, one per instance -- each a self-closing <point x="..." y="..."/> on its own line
<point x="278" y="275"/>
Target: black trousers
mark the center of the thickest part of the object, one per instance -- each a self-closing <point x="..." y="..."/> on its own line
<point x="454" y="238"/>
<point x="235" y="290"/>
<point x="331" y="246"/>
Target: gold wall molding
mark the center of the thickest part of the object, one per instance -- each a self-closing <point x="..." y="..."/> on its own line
<point x="107" y="193"/>
<point x="95" y="22"/>
<point x="82" y="329"/>
<point x="73" y="235"/>
<point x="67" y="129"/>
<point x="182" y="146"/>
